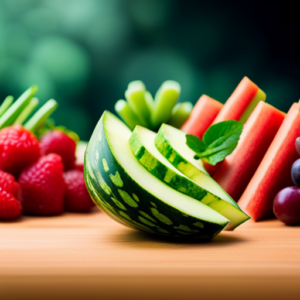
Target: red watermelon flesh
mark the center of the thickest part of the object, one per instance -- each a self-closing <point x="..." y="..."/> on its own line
<point x="203" y="114"/>
<point x="238" y="106"/>
<point x="259" y="131"/>
<point x="238" y="102"/>
<point x="274" y="171"/>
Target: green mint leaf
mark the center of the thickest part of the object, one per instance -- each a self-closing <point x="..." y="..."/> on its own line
<point x="219" y="140"/>
<point x="222" y="130"/>
<point x="195" y="143"/>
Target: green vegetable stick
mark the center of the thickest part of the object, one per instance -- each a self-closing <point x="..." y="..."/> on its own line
<point x="16" y="108"/>
<point x="40" y="117"/>
<point x="135" y="96"/>
<point x="149" y="102"/>
<point x="165" y="99"/>
<point x="27" y="111"/>
<point x="6" y="104"/>
<point x="133" y="84"/>
<point x="125" y="111"/>
<point x="180" y="113"/>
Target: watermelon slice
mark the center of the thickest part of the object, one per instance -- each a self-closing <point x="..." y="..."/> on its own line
<point x="238" y="168"/>
<point x="132" y="196"/>
<point x="206" y="190"/>
<point x="242" y="102"/>
<point x="238" y="107"/>
<point x="203" y="114"/>
<point x="273" y="173"/>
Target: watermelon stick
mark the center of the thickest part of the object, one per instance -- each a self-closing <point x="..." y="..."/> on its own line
<point x="40" y="117"/>
<point x="274" y="171"/>
<point x="203" y="114"/>
<point x="239" y="167"/>
<point x="238" y="107"/>
<point x="165" y="100"/>
<point x="242" y="102"/>
<point x="180" y="113"/>
<point x="260" y="96"/>
<point x="135" y="96"/>
<point x="27" y="111"/>
<point x="125" y="111"/>
<point x="6" y="104"/>
<point x="16" y="108"/>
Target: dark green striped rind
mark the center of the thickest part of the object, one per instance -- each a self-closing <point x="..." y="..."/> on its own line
<point x="183" y="184"/>
<point x="179" y="162"/>
<point x="161" y="171"/>
<point x="129" y="203"/>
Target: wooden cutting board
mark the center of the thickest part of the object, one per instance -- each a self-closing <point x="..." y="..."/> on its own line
<point x="89" y="256"/>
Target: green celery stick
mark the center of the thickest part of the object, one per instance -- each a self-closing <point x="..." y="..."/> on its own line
<point x="40" y="117"/>
<point x="180" y="113"/>
<point x="135" y="96"/>
<point x="149" y="102"/>
<point x="165" y="99"/>
<point x="27" y="111"/>
<point x="17" y="107"/>
<point x="6" y="104"/>
<point x="125" y="111"/>
<point x="135" y="83"/>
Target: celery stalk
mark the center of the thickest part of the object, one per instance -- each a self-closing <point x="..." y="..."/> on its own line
<point x="149" y="102"/>
<point x="17" y="107"/>
<point x="27" y="111"/>
<point x="125" y="111"/>
<point x="6" y="104"/>
<point x="180" y="113"/>
<point x="40" y="117"/>
<point x="135" y="96"/>
<point x="165" y="99"/>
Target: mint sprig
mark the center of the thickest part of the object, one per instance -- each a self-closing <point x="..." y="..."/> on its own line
<point x="218" y="141"/>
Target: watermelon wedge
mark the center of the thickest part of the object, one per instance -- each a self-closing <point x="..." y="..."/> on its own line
<point x="132" y="196"/>
<point x="273" y="173"/>
<point x="239" y="107"/>
<point x="242" y="102"/>
<point x="259" y="131"/>
<point x="203" y="114"/>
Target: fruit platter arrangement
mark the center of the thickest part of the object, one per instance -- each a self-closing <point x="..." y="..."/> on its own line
<point x="39" y="172"/>
<point x="189" y="172"/>
<point x="165" y="168"/>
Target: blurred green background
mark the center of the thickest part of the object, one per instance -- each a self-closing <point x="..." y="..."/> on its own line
<point x="83" y="53"/>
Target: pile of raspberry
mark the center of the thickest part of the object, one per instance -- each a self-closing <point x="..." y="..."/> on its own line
<point x="39" y="178"/>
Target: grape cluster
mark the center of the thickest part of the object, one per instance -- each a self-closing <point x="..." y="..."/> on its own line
<point x="286" y="204"/>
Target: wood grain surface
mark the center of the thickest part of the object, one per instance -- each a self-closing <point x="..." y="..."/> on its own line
<point x="78" y="256"/>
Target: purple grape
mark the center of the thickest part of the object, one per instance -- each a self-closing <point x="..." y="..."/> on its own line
<point x="286" y="205"/>
<point x="295" y="172"/>
<point x="297" y="145"/>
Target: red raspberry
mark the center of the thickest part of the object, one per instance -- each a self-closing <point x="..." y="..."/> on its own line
<point x="10" y="207"/>
<point x="58" y="142"/>
<point x="43" y="186"/>
<point x="77" y="198"/>
<point x="19" y="148"/>
<point x="8" y="184"/>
